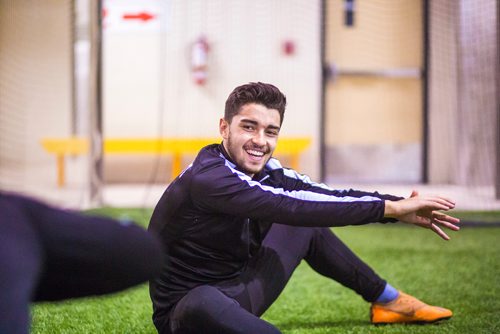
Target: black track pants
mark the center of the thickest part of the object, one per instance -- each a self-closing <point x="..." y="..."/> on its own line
<point x="50" y="254"/>
<point x="235" y="306"/>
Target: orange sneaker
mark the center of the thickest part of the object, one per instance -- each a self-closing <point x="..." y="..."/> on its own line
<point x="407" y="309"/>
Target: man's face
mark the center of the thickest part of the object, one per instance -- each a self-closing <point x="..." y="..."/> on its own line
<point x="251" y="137"/>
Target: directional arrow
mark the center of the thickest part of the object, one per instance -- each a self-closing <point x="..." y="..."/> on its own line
<point x="143" y="16"/>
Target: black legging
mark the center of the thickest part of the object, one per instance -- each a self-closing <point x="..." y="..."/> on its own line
<point x="235" y="306"/>
<point x="50" y="254"/>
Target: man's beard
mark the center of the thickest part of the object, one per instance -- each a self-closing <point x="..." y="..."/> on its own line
<point x="241" y="167"/>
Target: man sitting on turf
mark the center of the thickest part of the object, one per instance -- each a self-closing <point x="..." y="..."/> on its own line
<point x="236" y="224"/>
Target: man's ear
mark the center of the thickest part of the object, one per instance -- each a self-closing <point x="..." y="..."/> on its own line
<point x="224" y="128"/>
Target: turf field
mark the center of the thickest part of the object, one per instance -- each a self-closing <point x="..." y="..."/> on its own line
<point x="462" y="274"/>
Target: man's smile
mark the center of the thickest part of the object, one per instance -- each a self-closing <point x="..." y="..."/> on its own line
<point x="255" y="153"/>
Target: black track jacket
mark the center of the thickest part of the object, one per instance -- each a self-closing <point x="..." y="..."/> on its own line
<point x="213" y="217"/>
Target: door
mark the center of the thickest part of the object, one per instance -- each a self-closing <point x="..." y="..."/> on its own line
<point x="373" y="103"/>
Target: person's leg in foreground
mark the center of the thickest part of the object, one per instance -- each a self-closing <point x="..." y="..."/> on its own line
<point x="50" y="254"/>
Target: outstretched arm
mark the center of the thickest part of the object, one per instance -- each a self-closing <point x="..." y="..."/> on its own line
<point x="423" y="211"/>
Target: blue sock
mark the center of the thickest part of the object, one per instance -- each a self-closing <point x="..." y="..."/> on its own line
<point x="389" y="294"/>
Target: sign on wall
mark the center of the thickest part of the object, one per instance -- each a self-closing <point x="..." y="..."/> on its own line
<point x="134" y="16"/>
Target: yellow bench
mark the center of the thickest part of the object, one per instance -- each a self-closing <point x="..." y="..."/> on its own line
<point x="177" y="147"/>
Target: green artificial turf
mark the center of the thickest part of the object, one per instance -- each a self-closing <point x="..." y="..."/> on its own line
<point x="479" y="216"/>
<point x="462" y="274"/>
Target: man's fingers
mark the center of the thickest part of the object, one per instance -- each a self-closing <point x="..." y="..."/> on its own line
<point x="447" y="224"/>
<point x="432" y="225"/>
<point x="444" y="201"/>
<point x="431" y="204"/>
<point x="445" y="218"/>
<point x="447" y="200"/>
<point x="439" y="232"/>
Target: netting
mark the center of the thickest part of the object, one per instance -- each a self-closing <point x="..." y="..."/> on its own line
<point x="413" y="97"/>
<point x="35" y="92"/>
<point x="149" y="86"/>
<point x="382" y="127"/>
<point x="463" y="96"/>
<point x="462" y="86"/>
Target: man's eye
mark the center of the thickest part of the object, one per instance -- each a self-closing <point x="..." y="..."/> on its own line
<point x="248" y="127"/>
<point x="272" y="133"/>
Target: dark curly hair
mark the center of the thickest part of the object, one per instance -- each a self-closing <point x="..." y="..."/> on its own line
<point x="255" y="92"/>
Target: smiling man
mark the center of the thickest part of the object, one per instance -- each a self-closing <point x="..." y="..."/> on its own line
<point x="250" y="137"/>
<point x="236" y="224"/>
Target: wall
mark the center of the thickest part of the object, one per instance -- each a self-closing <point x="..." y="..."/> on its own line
<point x="35" y="86"/>
<point x="374" y="106"/>
<point x="148" y="87"/>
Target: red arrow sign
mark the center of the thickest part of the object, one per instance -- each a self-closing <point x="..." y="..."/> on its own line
<point x="143" y="16"/>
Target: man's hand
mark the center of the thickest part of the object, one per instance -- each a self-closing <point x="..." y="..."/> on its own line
<point x="423" y="211"/>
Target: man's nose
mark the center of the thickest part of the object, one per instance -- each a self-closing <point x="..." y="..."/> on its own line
<point x="259" y="138"/>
